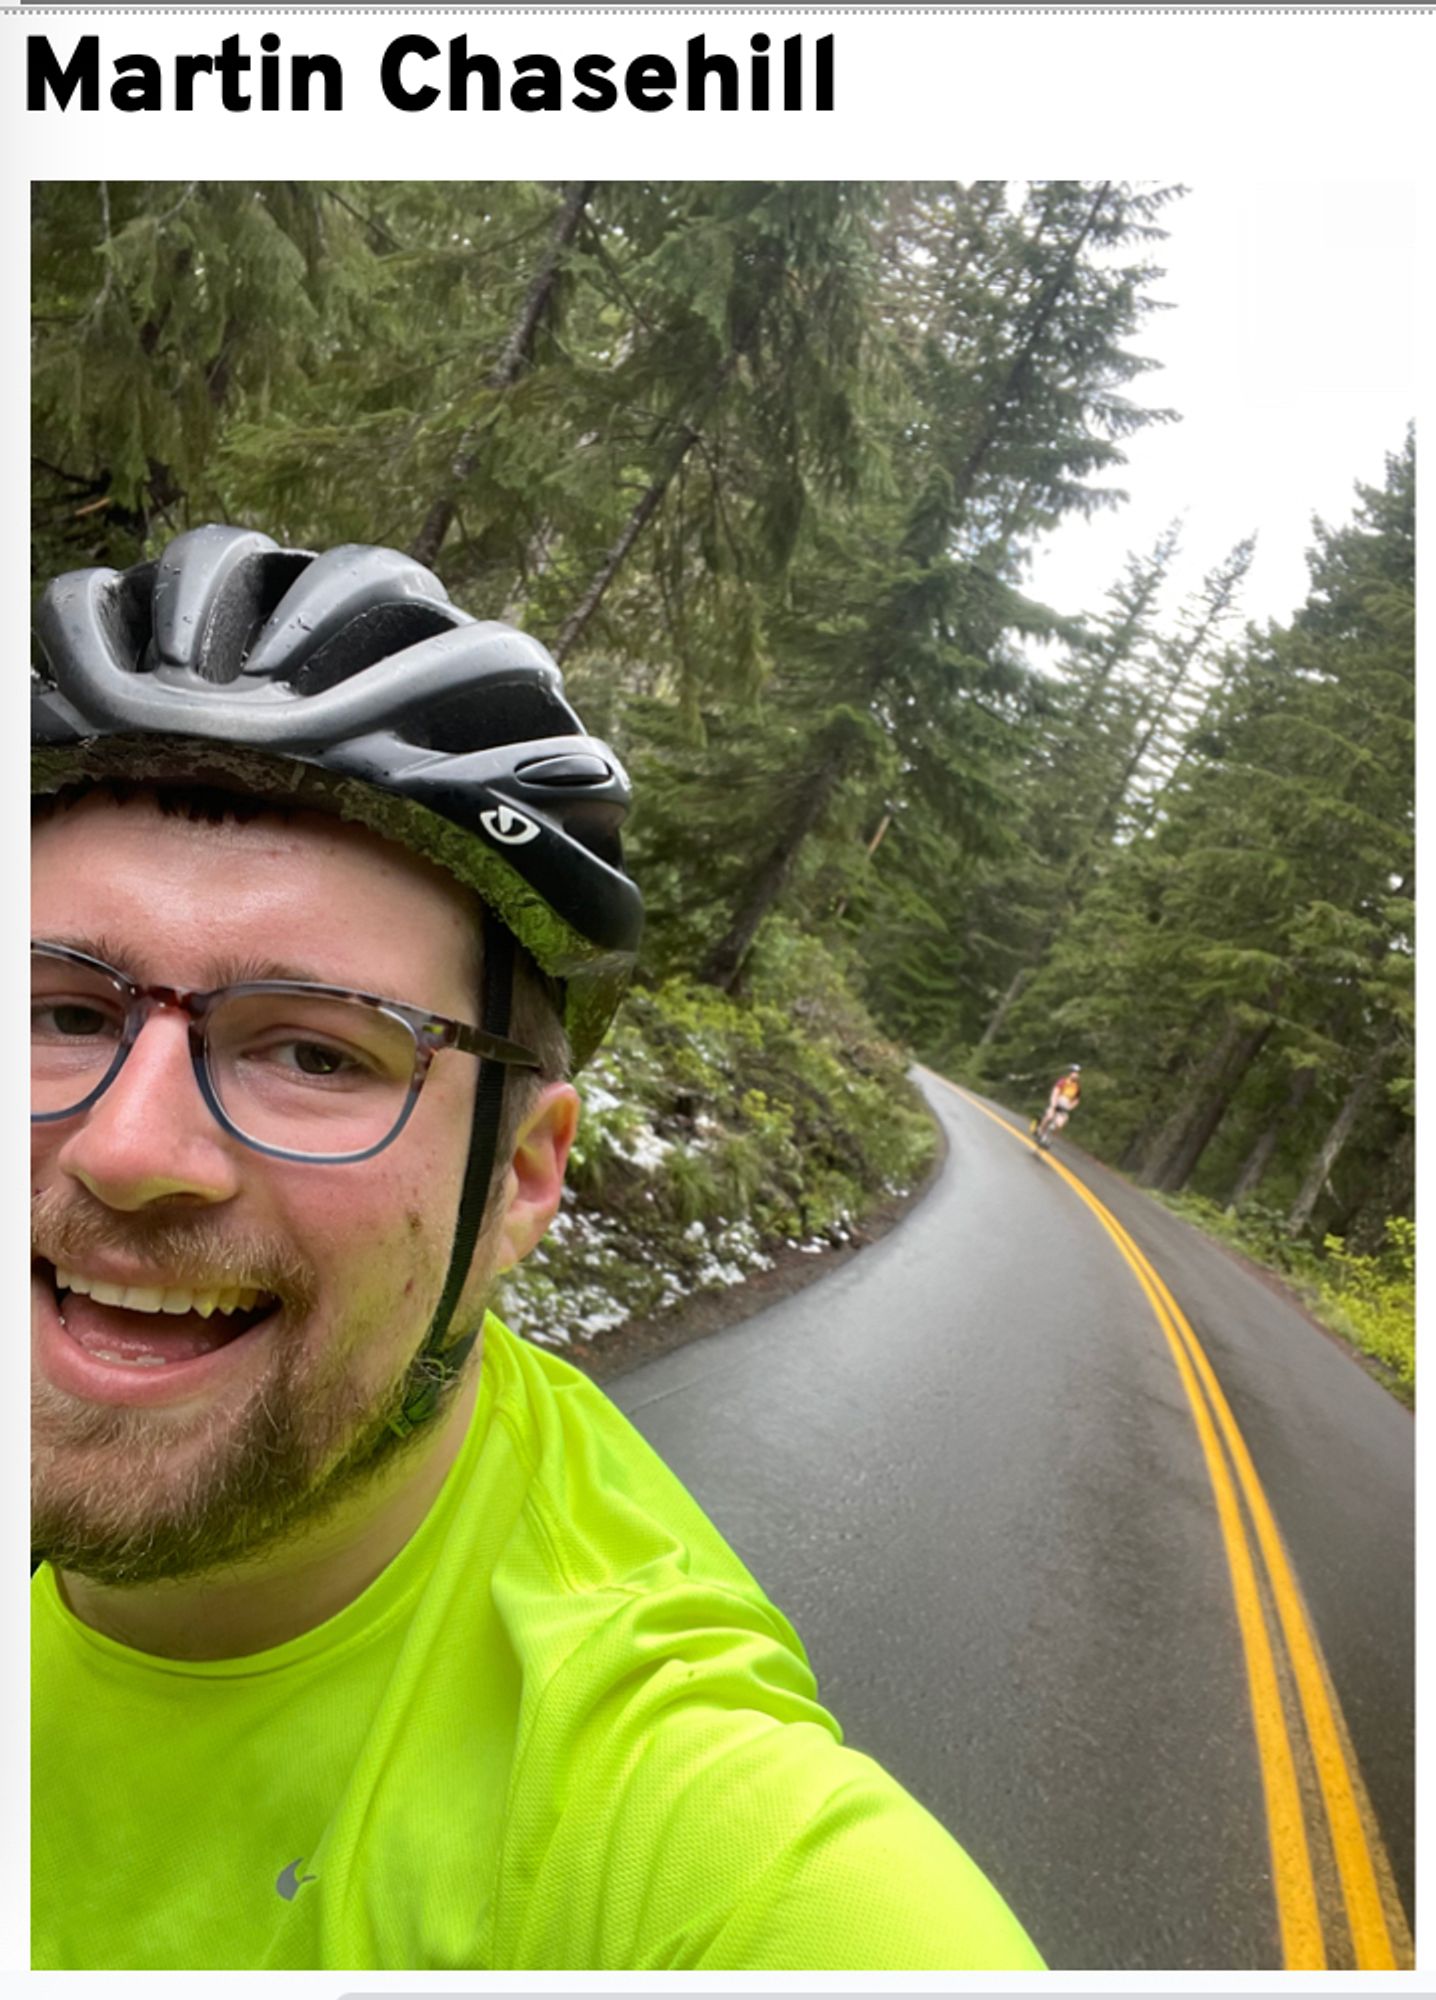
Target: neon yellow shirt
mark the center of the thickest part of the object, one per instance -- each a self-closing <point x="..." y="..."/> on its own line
<point x="564" y="1729"/>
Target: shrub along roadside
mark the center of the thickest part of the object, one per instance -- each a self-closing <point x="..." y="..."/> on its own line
<point x="1369" y="1300"/>
<point x="715" y="1131"/>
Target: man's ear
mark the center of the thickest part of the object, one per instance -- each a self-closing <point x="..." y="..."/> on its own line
<point x="533" y="1182"/>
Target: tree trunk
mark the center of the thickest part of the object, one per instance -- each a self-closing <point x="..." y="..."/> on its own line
<point x="1136" y="1149"/>
<point x="725" y="961"/>
<point x="1004" y="1007"/>
<point x="1222" y="587"/>
<point x="1145" y="1131"/>
<point x="840" y="908"/>
<point x="1387" y="1188"/>
<point x="1007" y="392"/>
<point x="1254" y="1166"/>
<point x="689" y="430"/>
<point x="1210" y="1114"/>
<point x="517" y="352"/>
<point x="1204" y="1083"/>
<point x="1338" y="1132"/>
<point x="1061" y="913"/>
<point x="617" y="555"/>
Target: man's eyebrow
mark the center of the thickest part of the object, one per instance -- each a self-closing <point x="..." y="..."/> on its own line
<point x="225" y="971"/>
<point x="94" y="944"/>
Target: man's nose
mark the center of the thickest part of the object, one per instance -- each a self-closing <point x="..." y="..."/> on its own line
<point x="151" y="1137"/>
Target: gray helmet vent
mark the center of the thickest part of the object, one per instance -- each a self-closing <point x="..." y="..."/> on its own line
<point x="374" y="636"/>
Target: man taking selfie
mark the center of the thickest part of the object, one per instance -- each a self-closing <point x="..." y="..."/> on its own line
<point x="364" y="1634"/>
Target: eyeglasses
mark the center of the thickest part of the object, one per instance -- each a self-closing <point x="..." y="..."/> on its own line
<point x="298" y="1071"/>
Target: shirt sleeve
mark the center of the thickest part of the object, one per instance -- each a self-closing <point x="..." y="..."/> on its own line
<point x="704" y="1816"/>
<point x="867" y="1881"/>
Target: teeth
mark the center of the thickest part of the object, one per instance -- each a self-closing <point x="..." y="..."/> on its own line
<point x="108" y="1295"/>
<point x="160" y="1298"/>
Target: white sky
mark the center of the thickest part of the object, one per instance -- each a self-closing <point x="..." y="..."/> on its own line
<point x="1289" y="350"/>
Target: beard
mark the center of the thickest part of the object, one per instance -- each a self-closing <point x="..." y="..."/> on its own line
<point x="131" y="1496"/>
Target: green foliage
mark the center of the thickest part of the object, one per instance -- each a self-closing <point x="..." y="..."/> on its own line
<point x="161" y="311"/>
<point x="1372" y="1298"/>
<point x="1368" y="1298"/>
<point x="715" y="1131"/>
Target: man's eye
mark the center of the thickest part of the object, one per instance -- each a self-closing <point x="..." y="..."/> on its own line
<point x="317" y="1059"/>
<point x="75" y="1020"/>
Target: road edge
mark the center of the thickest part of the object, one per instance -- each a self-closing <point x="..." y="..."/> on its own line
<point x="622" y="1348"/>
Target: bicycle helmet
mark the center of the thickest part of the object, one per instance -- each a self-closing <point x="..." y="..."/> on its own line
<point x="347" y="682"/>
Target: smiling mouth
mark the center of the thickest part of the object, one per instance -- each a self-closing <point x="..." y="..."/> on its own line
<point x="153" y="1326"/>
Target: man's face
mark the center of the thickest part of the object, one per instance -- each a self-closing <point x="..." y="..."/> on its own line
<point x="166" y="1443"/>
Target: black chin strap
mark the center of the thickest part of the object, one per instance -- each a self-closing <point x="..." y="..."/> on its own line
<point x="446" y="1361"/>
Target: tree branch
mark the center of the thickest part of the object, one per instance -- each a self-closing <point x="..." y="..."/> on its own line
<point x="517" y="352"/>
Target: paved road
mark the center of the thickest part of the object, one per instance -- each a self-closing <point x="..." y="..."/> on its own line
<point x="967" y="1467"/>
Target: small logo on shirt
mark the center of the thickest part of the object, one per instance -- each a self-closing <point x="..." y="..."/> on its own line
<point x="289" y="1881"/>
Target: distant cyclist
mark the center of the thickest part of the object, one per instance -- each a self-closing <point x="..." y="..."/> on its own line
<point x="1062" y="1101"/>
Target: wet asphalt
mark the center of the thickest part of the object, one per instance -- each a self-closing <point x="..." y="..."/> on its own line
<point x="966" y="1468"/>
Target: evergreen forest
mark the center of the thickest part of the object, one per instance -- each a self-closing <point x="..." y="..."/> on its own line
<point x="763" y="464"/>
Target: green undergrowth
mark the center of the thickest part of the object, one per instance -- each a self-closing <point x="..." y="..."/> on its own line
<point x="1369" y="1300"/>
<point x="716" y="1133"/>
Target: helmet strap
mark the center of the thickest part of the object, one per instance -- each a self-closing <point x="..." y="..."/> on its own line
<point x="448" y="1360"/>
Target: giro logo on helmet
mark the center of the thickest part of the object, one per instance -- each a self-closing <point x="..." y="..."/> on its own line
<point x="508" y="826"/>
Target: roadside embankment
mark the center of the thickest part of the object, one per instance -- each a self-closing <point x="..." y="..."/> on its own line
<point x="729" y="1151"/>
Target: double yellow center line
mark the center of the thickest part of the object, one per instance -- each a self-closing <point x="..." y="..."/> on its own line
<point x="1379" y="1938"/>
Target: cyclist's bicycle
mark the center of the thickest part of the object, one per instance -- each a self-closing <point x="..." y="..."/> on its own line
<point x="1050" y="1124"/>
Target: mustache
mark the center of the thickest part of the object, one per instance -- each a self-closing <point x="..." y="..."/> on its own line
<point x="191" y="1251"/>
